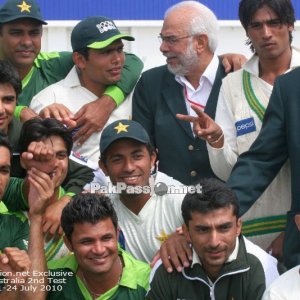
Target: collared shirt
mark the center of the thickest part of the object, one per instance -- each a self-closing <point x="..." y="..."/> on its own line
<point x="133" y="284"/>
<point x="206" y="81"/>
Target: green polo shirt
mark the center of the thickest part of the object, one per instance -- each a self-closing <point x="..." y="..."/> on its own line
<point x="132" y="286"/>
<point x="14" y="229"/>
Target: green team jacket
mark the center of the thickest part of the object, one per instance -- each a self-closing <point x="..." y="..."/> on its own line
<point x="133" y="284"/>
<point x="14" y="229"/>
<point x="78" y="175"/>
<point x="51" y="67"/>
<point x="241" y="279"/>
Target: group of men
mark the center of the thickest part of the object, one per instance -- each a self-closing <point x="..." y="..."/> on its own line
<point x="110" y="240"/>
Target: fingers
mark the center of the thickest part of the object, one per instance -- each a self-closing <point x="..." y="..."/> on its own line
<point x="176" y="252"/>
<point x="27" y="114"/>
<point x="57" y="111"/>
<point x="17" y="259"/>
<point x="41" y="189"/>
<point x="83" y="134"/>
<point x="226" y="65"/>
<point x="155" y="259"/>
<point x="70" y="123"/>
<point x="3" y="259"/>
<point x="39" y="151"/>
<point x="186" y="118"/>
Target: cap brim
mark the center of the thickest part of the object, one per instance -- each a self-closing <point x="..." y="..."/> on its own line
<point x="103" y="44"/>
<point x="14" y="18"/>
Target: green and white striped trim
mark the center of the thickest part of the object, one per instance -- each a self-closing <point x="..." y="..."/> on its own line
<point x="265" y="225"/>
<point x="252" y="100"/>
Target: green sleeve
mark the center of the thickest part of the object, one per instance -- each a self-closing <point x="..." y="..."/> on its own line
<point x="21" y="229"/>
<point x="131" y="73"/>
<point x="77" y="177"/>
<point x="13" y="196"/>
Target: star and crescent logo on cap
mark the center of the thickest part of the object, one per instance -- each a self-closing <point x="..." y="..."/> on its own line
<point x="121" y="128"/>
<point x="24" y="7"/>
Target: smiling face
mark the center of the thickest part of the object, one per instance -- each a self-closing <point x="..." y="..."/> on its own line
<point x="128" y="161"/>
<point x="8" y="100"/>
<point x="95" y="247"/>
<point x="21" y="42"/>
<point x="213" y="236"/>
<point x="269" y="37"/>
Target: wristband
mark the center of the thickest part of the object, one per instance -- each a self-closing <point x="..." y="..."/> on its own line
<point x="18" y="111"/>
<point x="217" y="140"/>
<point x="115" y="93"/>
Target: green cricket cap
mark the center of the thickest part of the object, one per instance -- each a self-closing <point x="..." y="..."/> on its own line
<point x="121" y="129"/>
<point x="96" y="33"/>
<point x="13" y="10"/>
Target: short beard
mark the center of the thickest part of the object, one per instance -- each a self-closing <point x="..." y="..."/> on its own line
<point x="187" y="62"/>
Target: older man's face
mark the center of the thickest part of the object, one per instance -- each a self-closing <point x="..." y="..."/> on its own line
<point x="20" y="42"/>
<point x="178" y="45"/>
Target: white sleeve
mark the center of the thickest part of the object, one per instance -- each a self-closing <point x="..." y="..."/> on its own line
<point x="44" y="98"/>
<point x="223" y="159"/>
<point x="268" y="262"/>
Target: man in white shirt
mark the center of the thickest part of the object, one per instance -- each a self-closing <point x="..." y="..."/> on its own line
<point x="148" y="207"/>
<point x="99" y="59"/>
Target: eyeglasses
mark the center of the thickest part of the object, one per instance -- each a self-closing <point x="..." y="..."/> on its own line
<point x="272" y="23"/>
<point x="172" y="40"/>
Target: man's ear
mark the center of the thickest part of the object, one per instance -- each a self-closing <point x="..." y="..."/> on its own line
<point x="79" y="60"/>
<point x="297" y="221"/>
<point x="68" y="243"/>
<point x="201" y="42"/>
<point x="153" y="159"/>
<point x="102" y="166"/>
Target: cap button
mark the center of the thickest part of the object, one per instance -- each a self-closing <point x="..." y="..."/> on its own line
<point x="193" y="173"/>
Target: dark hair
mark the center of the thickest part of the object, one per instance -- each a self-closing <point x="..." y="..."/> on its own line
<point x="214" y="195"/>
<point x="8" y="74"/>
<point x="90" y="208"/>
<point x="283" y="8"/>
<point x="38" y="129"/>
<point x="4" y="142"/>
<point x="84" y="52"/>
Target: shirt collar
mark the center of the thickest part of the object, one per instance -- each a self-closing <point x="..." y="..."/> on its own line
<point x="209" y="73"/>
<point x="72" y="79"/>
<point x="252" y="64"/>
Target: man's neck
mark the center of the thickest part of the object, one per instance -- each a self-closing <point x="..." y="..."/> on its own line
<point x="95" y="87"/>
<point x="135" y="202"/>
<point x="194" y="76"/>
<point x="98" y="284"/>
<point x="270" y="69"/>
<point x="23" y="72"/>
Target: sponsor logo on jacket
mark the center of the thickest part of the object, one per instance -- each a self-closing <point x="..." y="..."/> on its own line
<point x="245" y="126"/>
